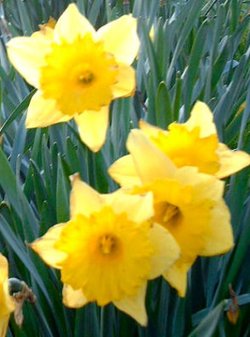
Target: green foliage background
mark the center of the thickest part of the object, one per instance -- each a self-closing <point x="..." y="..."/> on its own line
<point x="200" y="51"/>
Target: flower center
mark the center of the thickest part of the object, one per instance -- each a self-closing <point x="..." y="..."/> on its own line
<point x="170" y="212"/>
<point x="166" y="213"/>
<point x="86" y="78"/>
<point x="107" y="244"/>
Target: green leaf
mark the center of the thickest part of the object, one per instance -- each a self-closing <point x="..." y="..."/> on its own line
<point x="208" y="325"/>
<point x="163" y="106"/>
<point x="62" y="194"/>
<point x="20" y="108"/>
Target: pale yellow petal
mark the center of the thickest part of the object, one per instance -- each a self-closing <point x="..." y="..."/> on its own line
<point x="166" y="250"/>
<point x="150" y="162"/>
<point x="135" y="306"/>
<point x="123" y="171"/>
<point x="125" y="82"/>
<point x="44" y="247"/>
<point x="207" y="186"/>
<point x="6" y="303"/>
<point x="3" y="269"/>
<point x="149" y="130"/>
<point x="93" y="126"/>
<point x="231" y="161"/>
<point x="4" y="325"/>
<point x="27" y="54"/>
<point x="218" y="238"/>
<point x="138" y="208"/>
<point x="43" y="112"/>
<point x="73" y="298"/>
<point x="83" y="199"/>
<point x="202" y="117"/>
<point x="71" y="25"/>
<point x="120" y="38"/>
<point x="177" y="276"/>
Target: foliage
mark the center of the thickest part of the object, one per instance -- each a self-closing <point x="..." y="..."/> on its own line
<point x="199" y="51"/>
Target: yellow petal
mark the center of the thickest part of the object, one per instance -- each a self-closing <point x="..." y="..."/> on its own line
<point x="44" y="247"/>
<point x="43" y="112"/>
<point x="120" y="38"/>
<point x="83" y="199"/>
<point x="138" y="208"/>
<point x="166" y="249"/>
<point x="125" y="84"/>
<point x="202" y="117"/>
<point x="177" y="276"/>
<point x="218" y="238"/>
<point x="150" y="162"/>
<point x="27" y="54"/>
<point x="73" y="298"/>
<point x="71" y="25"/>
<point x="123" y="171"/>
<point x="4" y="325"/>
<point x="93" y="126"/>
<point x="135" y="306"/>
<point x="231" y="161"/>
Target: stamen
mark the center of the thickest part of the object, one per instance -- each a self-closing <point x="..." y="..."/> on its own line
<point x="86" y="78"/>
<point x="170" y="212"/>
<point x="107" y="244"/>
<point x="165" y="213"/>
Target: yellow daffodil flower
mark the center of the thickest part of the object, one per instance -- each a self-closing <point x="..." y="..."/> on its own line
<point x="108" y="249"/>
<point x="195" y="143"/>
<point x="6" y="303"/>
<point x="189" y="204"/>
<point x="78" y="71"/>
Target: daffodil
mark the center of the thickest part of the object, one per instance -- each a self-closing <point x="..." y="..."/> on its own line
<point x="108" y="249"/>
<point x="189" y="204"/>
<point x="196" y="143"/>
<point x="6" y="303"/>
<point x="78" y="71"/>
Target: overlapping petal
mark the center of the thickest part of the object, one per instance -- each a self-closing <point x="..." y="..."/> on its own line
<point x="123" y="171"/>
<point x="219" y="236"/>
<point x="138" y="209"/>
<point x="163" y="258"/>
<point x="147" y="158"/>
<point x="83" y="199"/>
<point x="92" y="126"/>
<point x="176" y="275"/>
<point x="125" y="82"/>
<point x="135" y="306"/>
<point x="27" y="54"/>
<point x="43" y="112"/>
<point x="231" y="161"/>
<point x="126" y="48"/>
<point x="45" y="246"/>
<point x="71" y="25"/>
<point x="201" y="117"/>
<point x="6" y="303"/>
<point x="73" y="298"/>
